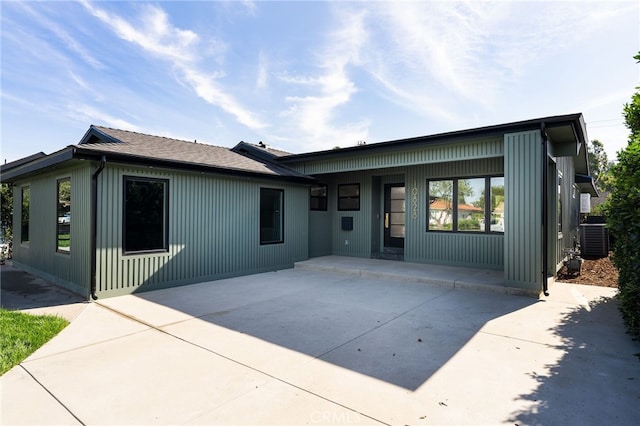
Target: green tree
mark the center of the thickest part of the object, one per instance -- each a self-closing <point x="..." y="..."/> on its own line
<point x="599" y="166"/>
<point x="631" y="112"/>
<point x="440" y="191"/>
<point x="6" y="212"/>
<point x="623" y="217"/>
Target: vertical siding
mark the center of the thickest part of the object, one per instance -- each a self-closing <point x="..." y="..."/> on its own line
<point x="483" y="251"/>
<point x="70" y="270"/>
<point x="472" y="250"/>
<point x="213" y="231"/>
<point x="570" y="211"/>
<point x="320" y="232"/>
<point x="523" y="207"/>
<point x="358" y="241"/>
<point x="428" y="154"/>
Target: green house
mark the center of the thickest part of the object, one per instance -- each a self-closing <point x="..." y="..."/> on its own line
<point x="122" y="212"/>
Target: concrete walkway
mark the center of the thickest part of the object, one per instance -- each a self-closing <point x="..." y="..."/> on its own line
<point x="306" y="346"/>
<point x="22" y="291"/>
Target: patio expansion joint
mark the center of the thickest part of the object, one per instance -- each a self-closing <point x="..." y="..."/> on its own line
<point x="518" y="339"/>
<point x="378" y="326"/>
<point x="204" y="348"/>
<point x="62" y="404"/>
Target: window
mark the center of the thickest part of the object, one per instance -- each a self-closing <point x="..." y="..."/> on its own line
<point x="559" y="202"/>
<point x="271" y="216"/>
<point x="24" y="226"/>
<point x="318" y="198"/>
<point x="146" y="214"/>
<point x="440" y="205"/>
<point x="63" y="212"/>
<point x="496" y="205"/>
<point x="349" y="197"/>
<point x="471" y="210"/>
<point x="461" y="205"/>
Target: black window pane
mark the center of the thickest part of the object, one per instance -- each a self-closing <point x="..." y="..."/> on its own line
<point x="318" y="198"/>
<point x="349" y="190"/>
<point x="24" y="225"/>
<point x="145" y="215"/>
<point x="349" y="204"/>
<point x="349" y="197"/>
<point x="319" y="191"/>
<point x="271" y="215"/>
<point x="64" y="215"/>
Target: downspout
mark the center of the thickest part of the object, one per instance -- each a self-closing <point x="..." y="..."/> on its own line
<point x="545" y="207"/>
<point x="94" y="225"/>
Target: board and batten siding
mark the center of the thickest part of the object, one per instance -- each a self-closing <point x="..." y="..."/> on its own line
<point x="476" y="250"/>
<point x="213" y="231"/>
<point x="40" y="256"/>
<point x="523" y="210"/>
<point x="474" y="149"/>
<point x="366" y="238"/>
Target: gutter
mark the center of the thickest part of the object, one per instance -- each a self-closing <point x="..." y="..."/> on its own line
<point x="94" y="225"/>
<point x="545" y="207"/>
<point x="117" y="157"/>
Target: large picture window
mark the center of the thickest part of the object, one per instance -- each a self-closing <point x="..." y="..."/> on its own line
<point x="63" y="213"/>
<point x="318" y="198"/>
<point x="146" y="214"/>
<point x="271" y="216"/>
<point x="462" y="205"/>
<point x="349" y="197"/>
<point x="24" y="223"/>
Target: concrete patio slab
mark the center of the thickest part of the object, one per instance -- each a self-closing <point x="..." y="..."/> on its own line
<point x="21" y="394"/>
<point x="22" y="291"/>
<point x="92" y="326"/>
<point x="308" y="346"/>
<point x="448" y="276"/>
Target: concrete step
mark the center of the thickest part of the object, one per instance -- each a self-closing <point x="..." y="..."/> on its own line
<point x="440" y="275"/>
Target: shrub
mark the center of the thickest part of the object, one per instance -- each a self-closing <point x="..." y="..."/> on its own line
<point x="623" y="220"/>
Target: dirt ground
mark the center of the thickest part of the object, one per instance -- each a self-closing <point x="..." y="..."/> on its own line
<point x="600" y="272"/>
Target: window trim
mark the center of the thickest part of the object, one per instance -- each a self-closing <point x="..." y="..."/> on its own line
<point x="165" y="242"/>
<point x="324" y="206"/>
<point x="281" y="240"/>
<point x="454" y="211"/>
<point x="58" y="249"/>
<point x="340" y="198"/>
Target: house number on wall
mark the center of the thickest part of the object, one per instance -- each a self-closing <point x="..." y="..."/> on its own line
<point x="414" y="202"/>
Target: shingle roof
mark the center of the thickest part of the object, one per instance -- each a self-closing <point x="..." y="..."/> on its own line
<point x="124" y="142"/>
<point x="273" y="151"/>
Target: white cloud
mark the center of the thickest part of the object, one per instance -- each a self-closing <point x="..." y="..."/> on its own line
<point x="314" y="114"/>
<point x="156" y="35"/>
<point x="86" y="113"/>
<point x="262" y="78"/>
<point x="69" y="41"/>
<point x="180" y="48"/>
<point x="207" y="89"/>
<point x="439" y="48"/>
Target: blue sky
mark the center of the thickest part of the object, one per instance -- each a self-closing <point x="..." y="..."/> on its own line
<point x="306" y="76"/>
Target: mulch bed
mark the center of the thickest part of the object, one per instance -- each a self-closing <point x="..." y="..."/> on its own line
<point x="600" y="272"/>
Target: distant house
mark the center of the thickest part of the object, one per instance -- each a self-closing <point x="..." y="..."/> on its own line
<point x="122" y="212"/>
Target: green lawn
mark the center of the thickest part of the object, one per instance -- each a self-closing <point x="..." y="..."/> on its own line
<point x="21" y="334"/>
<point x="64" y="240"/>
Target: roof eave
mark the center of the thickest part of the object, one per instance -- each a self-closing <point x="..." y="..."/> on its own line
<point x="442" y="138"/>
<point x="38" y="164"/>
<point x="93" y="154"/>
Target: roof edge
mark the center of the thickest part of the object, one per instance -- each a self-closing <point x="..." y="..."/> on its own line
<point x="532" y="124"/>
<point x="38" y="164"/>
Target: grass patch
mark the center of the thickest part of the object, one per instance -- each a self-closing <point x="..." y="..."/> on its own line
<point x="21" y="334"/>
